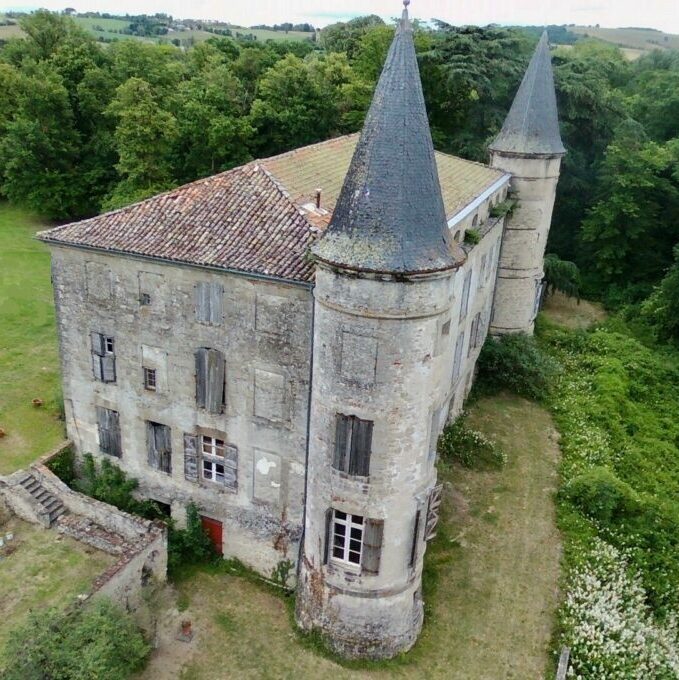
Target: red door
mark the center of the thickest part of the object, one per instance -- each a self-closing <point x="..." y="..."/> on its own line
<point x="214" y="531"/>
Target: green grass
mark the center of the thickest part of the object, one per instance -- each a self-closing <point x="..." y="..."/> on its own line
<point x="28" y="346"/>
<point x="490" y="586"/>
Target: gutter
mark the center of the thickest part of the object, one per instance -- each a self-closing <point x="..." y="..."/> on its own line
<point x="179" y="263"/>
<point x="469" y="209"/>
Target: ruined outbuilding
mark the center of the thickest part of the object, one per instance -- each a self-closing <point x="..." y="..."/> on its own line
<point x="282" y="343"/>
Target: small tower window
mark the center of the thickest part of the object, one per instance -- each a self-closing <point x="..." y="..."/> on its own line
<point x="150" y="379"/>
<point x="353" y="443"/>
<point x="475" y="221"/>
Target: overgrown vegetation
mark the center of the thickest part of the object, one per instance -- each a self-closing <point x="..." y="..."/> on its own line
<point x="516" y="363"/>
<point x="188" y="546"/>
<point x="562" y="275"/>
<point x="472" y="237"/>
<point x="469" y="447"/>
<point x="98" y="642"/>
<point x="63" y="466"/>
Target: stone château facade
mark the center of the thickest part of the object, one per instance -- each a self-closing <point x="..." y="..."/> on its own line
<point x="282" y="343"/>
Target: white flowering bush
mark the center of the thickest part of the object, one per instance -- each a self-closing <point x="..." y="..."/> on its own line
<point x="610" y="628"/>
<point x="468" y="447"/>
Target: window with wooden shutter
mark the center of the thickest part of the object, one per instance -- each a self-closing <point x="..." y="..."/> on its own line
<point x="209" y="303"/>
<point x="433" y="512"/>
<point x="353" y="444"/>
<point x="372" y="546"/>
<point x="457" y="364"/>
<point x="191" y="457"/>
<point x="347" y="538"/>
<point x="159" y="446"/>
<point x="465" y="295"/>
<point x="328" y="535"/>
<point x="103" y="357"/>
<point x="210" y="380"/>
<point x="108" y="424"/>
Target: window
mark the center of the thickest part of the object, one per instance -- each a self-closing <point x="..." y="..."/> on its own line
<point x="483" y="274"/>
<point x="218" y="460"/>
<point x="149" y="378"/>
<point x="108" y="425"/>
<point x="475" y="333"/>
<point x="103" y="357"/>
<point x="475" y="222"/>
<point x="491" y="262"/>
<point x="445" y="329"/>
<point x="353" y="442"/>
<point x="208" y="299"/>
<point x="210" y="376"/>
<point x="457" y="365"/>
<point x="465" y="295"/>
<point x="213" y="459"/>
<point x="159" y="446"/>
<point x="354" y="541"/>
<point x="145" y="299"/>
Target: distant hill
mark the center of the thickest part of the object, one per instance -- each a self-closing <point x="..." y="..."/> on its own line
<point x="642" y="39"/>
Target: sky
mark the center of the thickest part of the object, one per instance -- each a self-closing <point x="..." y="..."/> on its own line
<point x="661" y="14"/>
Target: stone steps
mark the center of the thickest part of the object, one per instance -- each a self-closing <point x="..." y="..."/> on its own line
<point x="52" y="506"/>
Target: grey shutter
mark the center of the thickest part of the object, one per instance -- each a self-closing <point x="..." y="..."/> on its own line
<point x="433" y="512"/>
<point x="342" y="436"/>
<point x="457" y="365"/>
<point x="151" y="450"/>
<point x="231" y="466"/>
<point x="373" y="530"/>
<point x="361" y="442"/>
<point x="202" y="300"/>
<point x="164" y="447"/>
<point x="328" y="535"/>
<point x="114" y="433"/>
<point x="108" y="368"/>
<point x="416" y="540"/>
<point x="97" y="340"/>
<point x="201" y="377"/>
<point x="191" y="457"/>
<point x="214" y="390"/>
<point x="102" y="425"/>
<point x="97" y="370"/>
<point x="216" y="295"/>
<point x="465" y="295"/>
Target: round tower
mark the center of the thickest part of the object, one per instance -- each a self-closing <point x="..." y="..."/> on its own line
<point x="383" y="292"/>
<point x="529" y="147"/>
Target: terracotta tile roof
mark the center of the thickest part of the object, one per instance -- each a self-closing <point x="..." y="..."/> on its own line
<point x="253" y="218"/>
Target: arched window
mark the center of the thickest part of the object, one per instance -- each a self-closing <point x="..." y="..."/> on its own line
<point x="457" y="236"/>
<point x="475" y="221"/>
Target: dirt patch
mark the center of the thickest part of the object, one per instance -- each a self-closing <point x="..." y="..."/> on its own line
<point x="569" y="313"/>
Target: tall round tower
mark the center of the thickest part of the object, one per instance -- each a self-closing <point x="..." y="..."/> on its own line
<point x="530" y="148"/>
<point x="383" y="293"/>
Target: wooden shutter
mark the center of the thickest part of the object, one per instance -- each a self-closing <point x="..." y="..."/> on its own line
<point x="201" y="377"/>
<point x="202" y="300"/>
<point x="342" y="441"/>
<point x="108" y="368"/>
<point x="416" y="539"/>
<point x="465" y="295"/>
<point x="102" y="425"/>
<point x="216" y="294"/>
<point x="373" y="530"/>
<point x="328" y="535"/>
<point x="191" y="457"/>
<point x="361" y="442"/>
<point x="214" y="381"/>
<point x="151" y="450"/>
<point x="97" y="340"/>
<point x="164" y="447"/>
<point x="433" y="512"/>
<point x="114" y="433"/>
<point x="457" y="365"/>
<point x="231" y="466"/>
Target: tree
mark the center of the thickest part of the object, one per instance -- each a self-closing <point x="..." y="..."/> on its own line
<point x="144" y="138"/>
<point x="345" y="37"/>
<point x="661" y="309"/>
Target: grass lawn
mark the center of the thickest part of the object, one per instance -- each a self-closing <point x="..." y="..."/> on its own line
<point x="44" y="570"/>
<point x="496" y="562"/>
<point x="28" y="346"/>
<point x="569" y="313"/>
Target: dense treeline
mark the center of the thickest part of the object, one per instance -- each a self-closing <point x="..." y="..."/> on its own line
<point x="85" y="127"/>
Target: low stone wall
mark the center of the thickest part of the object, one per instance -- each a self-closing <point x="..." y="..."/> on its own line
<point x="20" y="502"/>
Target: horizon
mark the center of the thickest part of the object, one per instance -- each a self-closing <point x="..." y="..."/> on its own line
<point x="661" y="15"/>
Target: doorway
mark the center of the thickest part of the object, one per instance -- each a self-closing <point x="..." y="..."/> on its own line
<point x="213" y="529"/>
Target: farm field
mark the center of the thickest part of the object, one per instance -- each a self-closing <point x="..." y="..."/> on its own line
<point x="42" y="569"/>
<point x="495" y="560"/>
<point x="634" y="38"/>
<point x="28" y="346"/>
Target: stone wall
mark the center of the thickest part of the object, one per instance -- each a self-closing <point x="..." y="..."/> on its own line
<point x="263" y="328"/>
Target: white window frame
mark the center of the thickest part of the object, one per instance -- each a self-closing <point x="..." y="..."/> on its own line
<point x="109" y="345"/>
<point x="150" y="385"/>
<point x="350" y="557"/>
<point x="210" y="448"/>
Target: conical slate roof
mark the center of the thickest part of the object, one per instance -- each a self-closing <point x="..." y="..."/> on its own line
<point x="389" y="216"/>
<point x="532" y="125"/>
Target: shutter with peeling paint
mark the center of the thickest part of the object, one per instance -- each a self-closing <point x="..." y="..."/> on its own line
<point x="191" y="457"/>
<point x="361" y="442"/>
<point x="373" y="530"/>
<point x="214" y="381"/>
<point x="201" y="377"/>
<point x="231" y="466"/>
<point x="202" y="300"/>
<point x="97" y="341"/>
<point x="328" y="535"/>
<point x="342" y="438"/>
<point x="164" y="447"/>
<point x="108" y="368"/>
<point x="216" y="294"/>
<point x="151" y="450"/>
<point x="114" y="434"/>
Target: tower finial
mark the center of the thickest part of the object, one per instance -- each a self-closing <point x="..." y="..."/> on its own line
<point x="404" y="16"/>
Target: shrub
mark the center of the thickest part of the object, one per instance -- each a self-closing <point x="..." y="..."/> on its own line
<point x="516" y="363"/>
<point x="472" y="237"/>
<point x="468" y="447"/>
<point x="98" y="642"/>
<point x="63" y="466"/>
<point x="189" y="546"/>
<point x="562" y="275"/>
